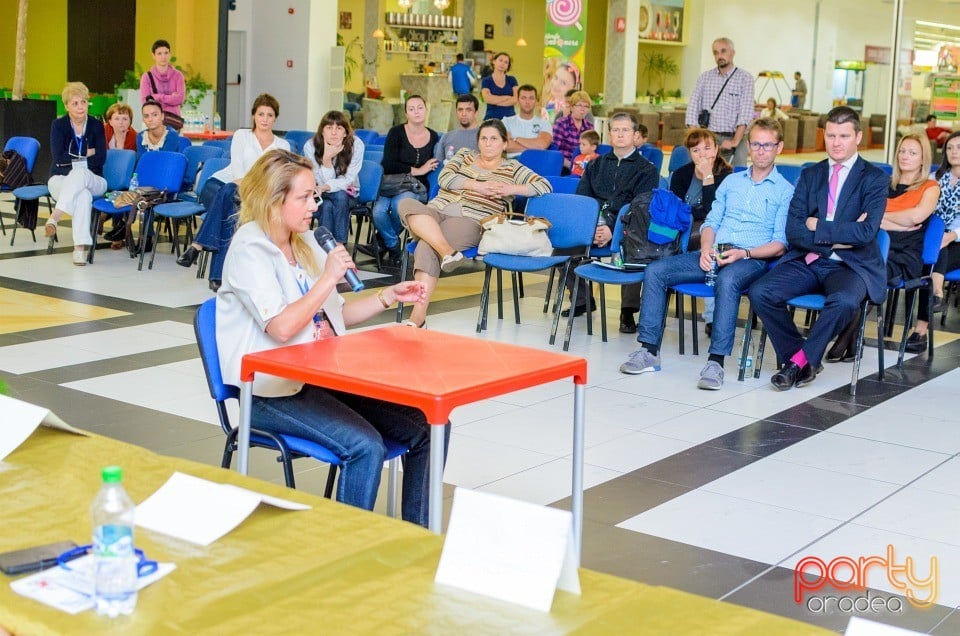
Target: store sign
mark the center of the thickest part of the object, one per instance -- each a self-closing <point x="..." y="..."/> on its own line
<point x="876" y="54"/>
<point x="661" y="21"/>
<point x="620" y="25"/>
<point x="564" y="39"/>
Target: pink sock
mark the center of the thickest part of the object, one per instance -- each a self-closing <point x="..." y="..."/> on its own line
<point x="799" y="358"/>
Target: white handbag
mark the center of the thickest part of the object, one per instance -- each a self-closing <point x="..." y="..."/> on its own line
<point x="526" y="236"/>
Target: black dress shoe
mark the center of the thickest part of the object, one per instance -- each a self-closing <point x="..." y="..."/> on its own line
<point x="189" y="257"/>
<point x="917" y="343"/>
<point x="807" y="375"/>
<point x="847" y="354"/>
<point x="785" y="378"/>
<point x="938" y="304"/>
<point x="708" y="329"/>
<point x="627" y="322"/>
<point x="579" y="310"/>
<point x="118" y="231"/>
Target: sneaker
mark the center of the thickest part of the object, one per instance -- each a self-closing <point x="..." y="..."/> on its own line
<point x="711" y="377"/>
<point x="80" y="257"/>
<point x="640" y="361"/>
<point x="451" y="262"/>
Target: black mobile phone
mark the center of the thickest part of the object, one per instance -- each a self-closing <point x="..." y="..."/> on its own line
<point x="33" y="559"/>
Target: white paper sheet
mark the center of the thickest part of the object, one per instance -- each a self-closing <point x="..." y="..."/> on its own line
<point x="71" y="590"/>
<point x="201" y="511"/>
<point x="18" y="420"/>
<point x="862" y="627"/>
<point x="510" y="550"/>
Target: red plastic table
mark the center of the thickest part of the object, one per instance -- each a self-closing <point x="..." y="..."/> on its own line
<point x="430" y="370"/>
<point x="207" y="136"/>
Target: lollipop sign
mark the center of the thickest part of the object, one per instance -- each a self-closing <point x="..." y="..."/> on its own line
<point x="564" y="13"/>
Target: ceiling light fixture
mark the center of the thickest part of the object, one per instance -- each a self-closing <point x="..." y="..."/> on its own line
<point x="441" y="4"/>
<point x="521" y="41"/>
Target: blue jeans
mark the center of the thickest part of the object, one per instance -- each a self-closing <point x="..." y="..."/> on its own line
<point x="218" y="226"/>
<point x="352" y="426"/>
<point x="334" y="213"/>
<point x="685" y="268"/>
<point x="386" y="218"/>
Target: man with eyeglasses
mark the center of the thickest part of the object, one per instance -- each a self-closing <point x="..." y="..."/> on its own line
<point x="614" y="179"/>
<point x="832" y="227"/>
<point x="722" y="101"/>
<point x="743" y="231"/>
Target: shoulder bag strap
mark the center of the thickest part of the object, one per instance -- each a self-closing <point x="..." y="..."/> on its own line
<point x="154" y="84"/>
<point x="729" y="77"/>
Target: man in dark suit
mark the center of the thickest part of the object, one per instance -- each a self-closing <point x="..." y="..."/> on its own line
<point x="832" y="229"/>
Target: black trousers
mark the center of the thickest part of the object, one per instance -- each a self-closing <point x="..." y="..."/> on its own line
<point x="844" y="291"/>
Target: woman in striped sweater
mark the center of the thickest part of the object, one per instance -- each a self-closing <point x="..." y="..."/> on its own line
<point x="473" y="185"/>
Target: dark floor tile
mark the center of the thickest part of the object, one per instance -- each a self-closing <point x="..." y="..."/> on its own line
<point x="696" y="466"/>
<point x="145" y="360"/>
<point x="762" y="438"/>
<point x="949" y="626"/>
<point x="773" y="592"/>
<point x="818" y="414"/>
<point x="869" y="392"/>
<point x="656" y="561"/>
<point x="153" y="431"/>
<point x="622" y="498"/>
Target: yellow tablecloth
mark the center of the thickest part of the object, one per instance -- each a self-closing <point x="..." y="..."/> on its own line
<point x="331" y="569"/>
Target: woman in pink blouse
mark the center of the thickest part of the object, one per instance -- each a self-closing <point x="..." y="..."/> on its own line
<point x="167" y="86"/>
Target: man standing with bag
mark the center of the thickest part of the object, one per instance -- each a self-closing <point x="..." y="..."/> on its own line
<point x="722" y="101"/>
<point x="746" y="225"/>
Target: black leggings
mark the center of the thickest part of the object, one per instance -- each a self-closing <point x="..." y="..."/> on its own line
<point x="949" y="260"/>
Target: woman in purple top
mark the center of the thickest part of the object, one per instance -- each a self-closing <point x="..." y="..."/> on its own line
<point x="499" y="90"/>
<point x="168" y="86"/>
<point x="567" y="129"/>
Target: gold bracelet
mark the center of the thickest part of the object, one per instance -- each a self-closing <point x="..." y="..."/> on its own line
<point x="383" y="301"/>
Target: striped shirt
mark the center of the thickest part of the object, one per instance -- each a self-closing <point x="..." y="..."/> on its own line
<point x="473" y="204"/>
<point x="735" y="106"/>
<point x="749" y="214"/>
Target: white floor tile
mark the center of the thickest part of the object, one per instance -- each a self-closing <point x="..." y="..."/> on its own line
<point x="919" y="513"/>
<point x="699" y="425"/>
<point x="548" y="482"/>
<point x="944" y="478"/>
<point x="633" y="451"/>
<point x="474" y="462"/>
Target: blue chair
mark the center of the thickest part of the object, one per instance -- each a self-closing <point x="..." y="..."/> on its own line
<point x="564" y="185"/>
<point x="951" y="277"/>
<point x="886" y="167"/>
<point x="932" y="237"/>
<point x="381" y="141"/>
<point x="546" y="163"/>
<point x="411" y="247"/>
<point x="184" y="143"/>
<point x="289" y="446"/>
<point x="815" y="303"/>
<point x="28" y="148"/>
<point x="368" y="137"/>
<point x="375" y="155"/>
<point x="371" y="173"/>
<point x="208" y="168"/>
<point x="604" y="149"/>
<point x="223" y="144"/>
<point x="117" y="171"/>
<point x="789" y="172"/>
<point x="654" y="155"/>
<point x="679" y="157"/>
<point x="297" y="138"/>
<point x="573" y="219"/>
<point x="196" y="157"/>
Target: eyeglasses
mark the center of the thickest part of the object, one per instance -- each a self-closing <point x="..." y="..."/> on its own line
<point x="618" y="131"/>
<point x="766" y="147"/>
<point x="145" y="567"/>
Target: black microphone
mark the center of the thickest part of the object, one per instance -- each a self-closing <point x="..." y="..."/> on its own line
<point x="327" y="244"/>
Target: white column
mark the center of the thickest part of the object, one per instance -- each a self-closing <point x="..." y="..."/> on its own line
<point x="324" y="18"/>
<point x="620" y="71"/>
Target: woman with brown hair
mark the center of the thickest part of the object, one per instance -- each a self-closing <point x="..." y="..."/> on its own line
<point x="696" y="182"/>
<point x="336" y="155"/>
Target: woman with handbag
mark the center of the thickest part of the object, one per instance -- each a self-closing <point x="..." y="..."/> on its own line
<point x="336" y="155"/>
<point x="473" y="185"/>
<point x="79" y="148"/>
<point x="220" y="194"/>
<point x="407" y="160"/>
<point x="164" y="84"/>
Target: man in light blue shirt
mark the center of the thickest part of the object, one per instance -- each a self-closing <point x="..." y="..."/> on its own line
<point x="745" y="229"/>
<point x="462" y="78"/>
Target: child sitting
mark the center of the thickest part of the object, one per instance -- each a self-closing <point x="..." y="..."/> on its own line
<point x="589" y="140"/>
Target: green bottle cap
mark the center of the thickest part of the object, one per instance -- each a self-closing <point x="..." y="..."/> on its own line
<point x="112" y="474"/>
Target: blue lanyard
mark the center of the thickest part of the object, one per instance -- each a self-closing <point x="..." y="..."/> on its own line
<point x="79" y="138"/>
<point x="304" y="288"/>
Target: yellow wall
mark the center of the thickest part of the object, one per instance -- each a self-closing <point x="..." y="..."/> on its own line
<point x="596" y="51"/>
<point x="193" y="39"/>
<point x="355" y="85"/>
<point x="528" y="15"/>
<point x="46" y="70"/>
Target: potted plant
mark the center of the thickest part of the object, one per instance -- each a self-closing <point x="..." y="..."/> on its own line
<point x="658" y="66"/>
<point x="198" y="91"/>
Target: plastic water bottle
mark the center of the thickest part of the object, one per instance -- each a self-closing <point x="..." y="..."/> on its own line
<point x="711" y="279"/>
<point x="134" y="182"/>
<point x="450" y="152"/>
<point x="206" y="123"/>
<point x="216" y="122"/>
<point x="114" y="561"/>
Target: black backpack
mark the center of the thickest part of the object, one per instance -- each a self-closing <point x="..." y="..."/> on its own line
<point x="636" y="247"/>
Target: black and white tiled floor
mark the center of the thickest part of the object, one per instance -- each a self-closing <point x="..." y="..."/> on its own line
<point x="717" y="493"/>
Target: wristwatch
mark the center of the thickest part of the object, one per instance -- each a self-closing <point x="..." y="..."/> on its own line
<point x="748" y="254"/>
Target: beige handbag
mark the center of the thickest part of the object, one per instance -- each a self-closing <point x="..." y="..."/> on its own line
<point x="524" y="236"/>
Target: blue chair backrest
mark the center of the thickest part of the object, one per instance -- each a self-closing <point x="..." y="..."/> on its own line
<point x="368" y="137"/>
<point x="573" y="218"/>
<point x="205" y="328"/>
<point x="296" y="139"/>
<point x="118" y="168"/>
<point x="373" y="155"/>
<point x="433" y="180"/>
<point x="679" y="157"/>
<point x="197" y="155"/>
<point x="807" y="164"/>
<point x="931" y="240"/>
<point x="162" y="169"/>
<point x="210" y="167"/>
<point x="26" y="147"/>
<point x="184" y="143"/>
<point x="664" y="183"/>
<point x="371" y="173"/>
<point x="886" y="167"/>
<point x="564" y="185"/>
<point x="790" y="173"/>
<point x="545" y="163"/>
<point x="604" y="149"/>
<point x="654" y="155"/>
<point x="381" y="140"/>
<point x="883" y="240"/>
<point x="220" y="143"/>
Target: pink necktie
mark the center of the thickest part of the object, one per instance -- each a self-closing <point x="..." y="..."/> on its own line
<point x="831" y="204"/>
